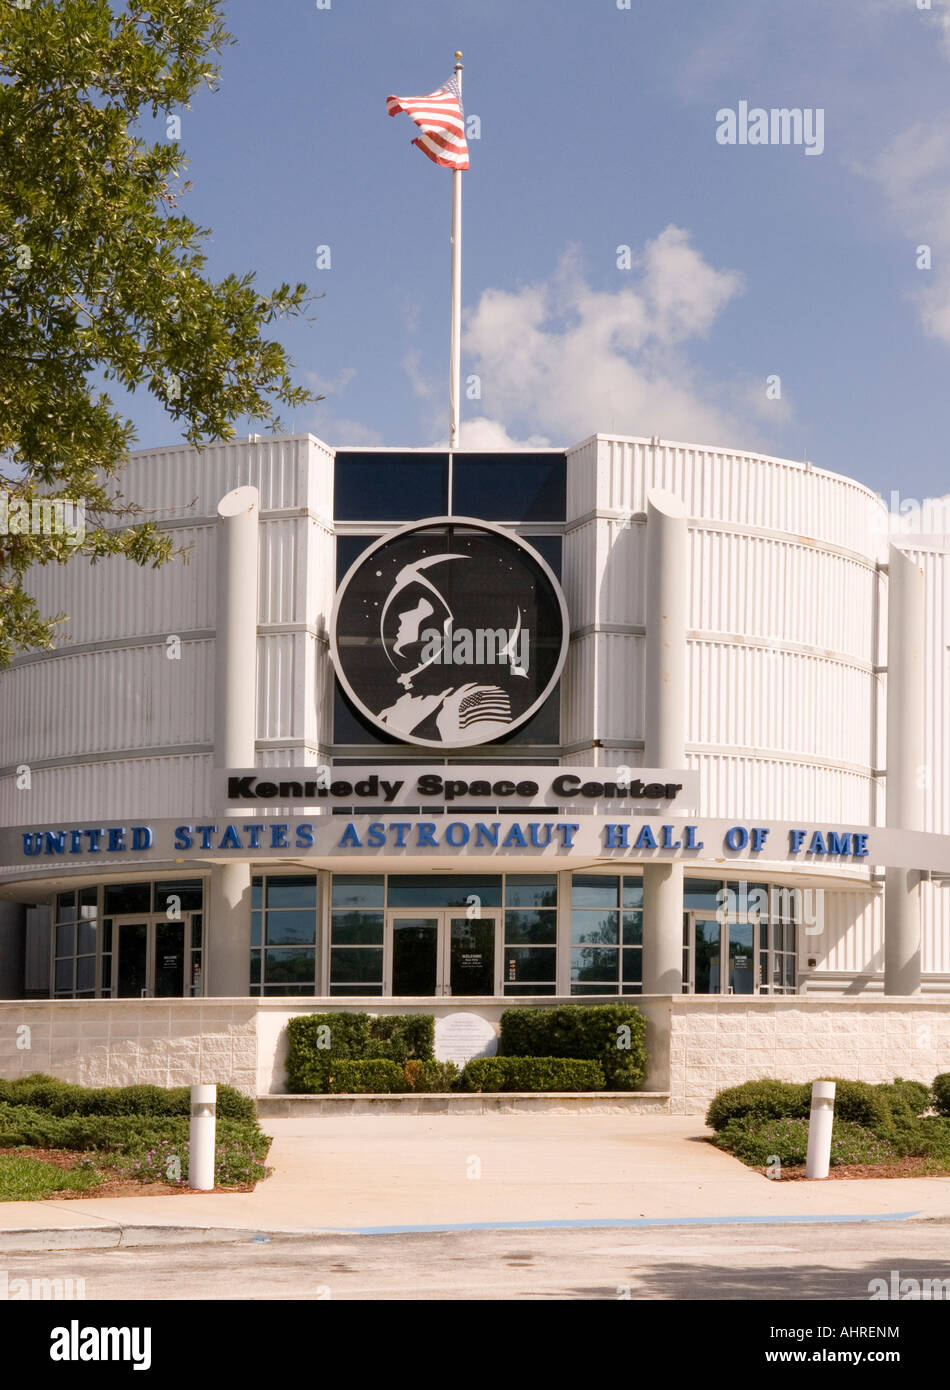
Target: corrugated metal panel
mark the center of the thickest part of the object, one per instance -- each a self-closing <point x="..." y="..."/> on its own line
<point x="755" y="697"/>
<point x="283" y="562"/>
<point x="181" y="482"/>
<point x="281" y="685"/>
<point x="936" y="568"/>
<point x="105" y="701"/>
<point x="782" y="591"/>
<point x="110" y="790"/>
<point x="116" y="598"/>
<point x="739" y="786"/>
<point x="853" y="936"/>
<point x="748" y="489"/>
<point x="582" y="489"/>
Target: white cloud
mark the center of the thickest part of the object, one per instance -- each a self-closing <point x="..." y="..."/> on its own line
<point x="913" y="172"/>
<point x="559" y="360"/>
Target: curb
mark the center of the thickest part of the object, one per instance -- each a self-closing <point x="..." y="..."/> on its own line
<point x="27" y="1241"/>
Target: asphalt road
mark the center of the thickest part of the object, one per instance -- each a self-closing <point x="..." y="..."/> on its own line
<point x="781" y="1261"/>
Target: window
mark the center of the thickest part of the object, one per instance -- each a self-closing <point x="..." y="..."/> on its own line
<point x="444" y="890"/>
<point x="74" y="945"/>
<point x="530" y="942"/>
<point x="283" y="934"/>
<point x="357" y="928"/>
<point x="606" y="934"/>
<point x="389" y="486"/>
<point x="510" y="486"/>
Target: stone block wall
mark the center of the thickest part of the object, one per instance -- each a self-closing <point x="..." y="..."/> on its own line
<point x="119" y="1042"/>
<point x="714" y="1043"/>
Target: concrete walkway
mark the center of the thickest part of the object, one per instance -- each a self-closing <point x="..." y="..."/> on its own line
<point x="372" y="1173"/>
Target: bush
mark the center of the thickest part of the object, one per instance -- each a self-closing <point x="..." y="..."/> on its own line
<point x="759" y="1100"/>
<point x="611" y="1034"/>
<point x="532" y="1074"/>
<point x="759" y="1142"/>
<point x="41" y="1092"/>
<point x="22" y="1124"/>
<point x="320" y="1041"/>
<point x="430" y="1076"/>
<point x="914" y="1094"/>
<point x="941" y="1093"/>
<point x="373" y="1077"/>
<point x="863" y="1103"/>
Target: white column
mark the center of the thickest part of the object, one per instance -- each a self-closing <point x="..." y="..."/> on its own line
<point x="904" y="804"/>
<point x="664" y="727"/>
<point x="228" y="940"/>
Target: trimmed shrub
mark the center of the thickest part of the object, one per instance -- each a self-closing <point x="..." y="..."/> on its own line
<point x="759" y="1142"/>
<point x="533" y="1074"/>
<point x="611" y="1034"/>
<point x="41" y="1092"/>
<point x="759" y="1100"/>
<point x="915" y="1094"/>
<point x="941" y="1093"/>
<point x="928" y="1137"/>
<point x="319" y="1041"/>
<point x="484" y="1074"/>
<point x="863" y="1103"/>
<point x="428" y="1077"/>
<point x="403" y="1037"/>
<point x="21" y="1124"/>
<point x="373" y="1077"/>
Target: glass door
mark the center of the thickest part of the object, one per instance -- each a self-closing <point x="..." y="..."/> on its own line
<point x="471" y="956"/>
<point x="720" y="957"/>
<point x="158" y="957"/>
<point x="415" y="953"/>
<point x="442" y="952"/>
<point x="131" y="975"/>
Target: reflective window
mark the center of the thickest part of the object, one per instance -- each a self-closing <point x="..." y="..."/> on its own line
<point x="510" y="486"/>
<point x="443" y="890"/>
<point x="389" y="486"/>
<point x="283" y="934"/>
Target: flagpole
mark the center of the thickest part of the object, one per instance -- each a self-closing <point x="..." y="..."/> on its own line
<point x="455" y="359"/>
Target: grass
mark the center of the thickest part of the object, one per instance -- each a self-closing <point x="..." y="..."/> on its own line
<point x="24" y="1179"/>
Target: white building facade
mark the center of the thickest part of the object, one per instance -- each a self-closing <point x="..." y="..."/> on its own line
<point x="728" y="643"/>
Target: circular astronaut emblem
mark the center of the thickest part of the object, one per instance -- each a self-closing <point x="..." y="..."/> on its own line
<point x="449" y="633"/>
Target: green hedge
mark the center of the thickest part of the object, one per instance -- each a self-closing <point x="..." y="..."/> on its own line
<point x="941" y="1093"/>
<point x="320" y="1041"/>
<point x="28" y="1125"/>
<point x="611" y="1034"/>
<point x="532" y="1074"/>
<point x="760" y="1142"/>
<point x="375" y="1077"/>
<point x="42" y="1092"/>
<point x="885" y="1107"/>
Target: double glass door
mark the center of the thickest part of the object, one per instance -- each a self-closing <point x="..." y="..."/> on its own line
<point x="157" y="957"/>
<point x="721" y="956"/>
<point x="442" y="951"/>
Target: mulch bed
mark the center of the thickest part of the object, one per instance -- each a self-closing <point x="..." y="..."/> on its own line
<point x="900" y="1168"/>
<point x="111" y="1187"/>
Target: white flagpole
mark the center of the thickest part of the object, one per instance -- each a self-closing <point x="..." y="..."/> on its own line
<point x="455" y="362"/>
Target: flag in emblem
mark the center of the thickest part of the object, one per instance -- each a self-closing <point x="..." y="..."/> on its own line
<point x="488" y="702"/>
<point x="440" y="118"/>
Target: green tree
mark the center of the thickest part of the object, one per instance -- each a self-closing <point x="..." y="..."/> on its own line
<point x="102" y="278"/>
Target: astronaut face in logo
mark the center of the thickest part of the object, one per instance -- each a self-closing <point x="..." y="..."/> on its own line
<point x="423" y="635"/>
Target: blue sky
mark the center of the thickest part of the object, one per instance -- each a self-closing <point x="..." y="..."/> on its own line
<point x="598" y="131"/>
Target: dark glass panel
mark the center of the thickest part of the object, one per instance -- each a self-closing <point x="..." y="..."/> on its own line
<point x="511" y="486"/>
<point x="385" y="486"/>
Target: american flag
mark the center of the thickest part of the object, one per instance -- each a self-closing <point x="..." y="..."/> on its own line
<point x="489" y="703"/>
<point x="440" y="118"/>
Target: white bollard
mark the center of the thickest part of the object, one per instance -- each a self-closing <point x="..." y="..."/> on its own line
<point x="201" y="1136"/>
<point x="820" y="1121"/>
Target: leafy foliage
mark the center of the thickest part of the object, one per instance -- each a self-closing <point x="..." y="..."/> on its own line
<point x="103" y="279"/>
<point x="42" y="1092"/>
<point x="318" y="1041"/>
<point x="532" y="1074"/>
<point x="611" y="1034"/>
